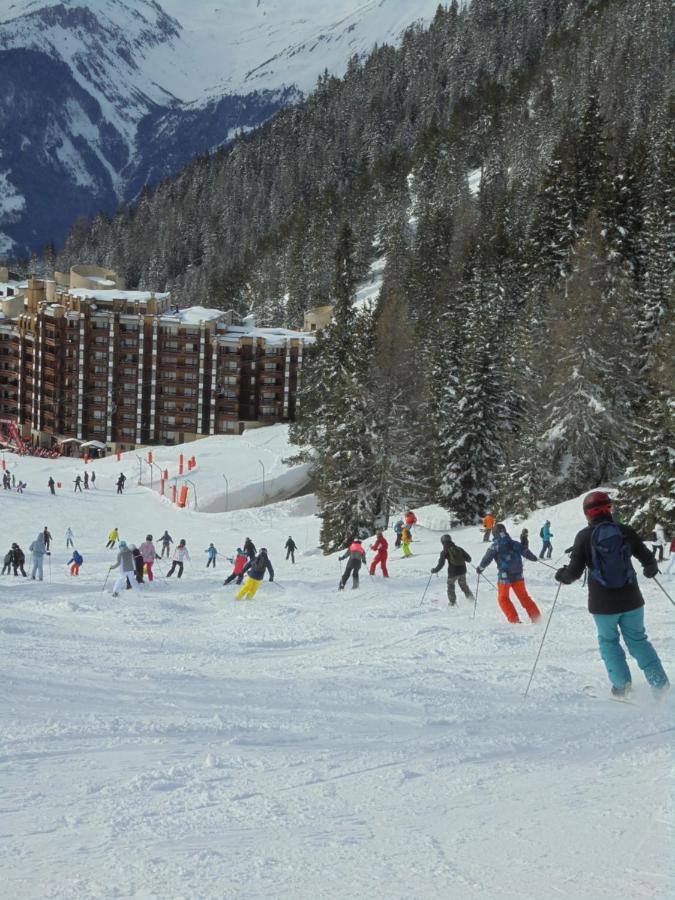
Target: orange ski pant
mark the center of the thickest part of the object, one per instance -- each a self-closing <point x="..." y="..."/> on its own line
<point x="526" y="601"/>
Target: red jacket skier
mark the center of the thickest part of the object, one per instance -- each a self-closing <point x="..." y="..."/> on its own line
<point x="381" y="546"/>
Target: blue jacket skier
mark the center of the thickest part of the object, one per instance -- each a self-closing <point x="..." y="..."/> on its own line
<point x="508" y="555"/>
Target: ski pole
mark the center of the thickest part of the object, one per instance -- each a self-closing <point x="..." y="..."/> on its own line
<point x="106" y="579"/>
<point x="281" y="587"/>
<point x="664" y="590"/>
<point x="480" y="575"/>
<point x="426" y="588"/>
<point x="550" y="616"/>
<point x="548" y="565"/>
<point x="475" y="599"/>
<point x="50" y="568"/>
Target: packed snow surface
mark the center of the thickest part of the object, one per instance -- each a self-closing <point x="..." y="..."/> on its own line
<point x="310" y="743"/>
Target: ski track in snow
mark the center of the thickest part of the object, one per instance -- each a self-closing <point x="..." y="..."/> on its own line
<point x="312" y="744"/>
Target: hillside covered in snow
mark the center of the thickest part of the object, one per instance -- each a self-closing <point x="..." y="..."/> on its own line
<point x="309" y="744"/>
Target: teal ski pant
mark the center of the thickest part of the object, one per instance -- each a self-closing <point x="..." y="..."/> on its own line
<point x="632" y="628"/>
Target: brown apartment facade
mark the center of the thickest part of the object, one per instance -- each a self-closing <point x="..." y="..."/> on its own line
<point x="99" y="363"/>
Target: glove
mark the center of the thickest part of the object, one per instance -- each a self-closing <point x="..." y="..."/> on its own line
<point x="562" y="576"/>
<point x="651" y="570"/>
<point x="479" y="570"/>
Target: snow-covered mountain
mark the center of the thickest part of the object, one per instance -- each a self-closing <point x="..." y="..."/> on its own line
<point x="103" y="96"/>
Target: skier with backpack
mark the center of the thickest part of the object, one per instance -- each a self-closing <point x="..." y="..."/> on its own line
<point x="255" y="568"/>
<point x="249" y="549"/>
<point x="508" y="555"/>
<point x="398" y="528"/>
<point x="546" y="534"/>
<point x="456" y="558"/>
<point x="381" y="548"/>
<point x="604" y="549"/>
<point x="356" y="555"/>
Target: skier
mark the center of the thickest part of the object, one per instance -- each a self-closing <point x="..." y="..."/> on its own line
<point x="39" y="551"/>
<point x="86" y="481"/>
<point x="7" y="562"/>
<point x="75" y="562"/>
<point x="604" y="548"/>
<point x="546" y="534"/>
<point x="249" y="548"/>
<point x="18" y="559"/>
<point x="149" y="554"/>
<point x="659" y="542"/>
<point x="5" y="481"/>
<point x="456" y="558"/>
<point x="356" y="555"/>
<point x="120" y="483"/>
<point x="406" y="541"/>
<point x="78" y="484"/>
<point x="47" y="538"/>
<point x="51" y="484"/>
<point x="398" y="528"/>
<point x="20" y="486"/>
<point x="488" y="524"/>
<point x="255" y="568"/>
<point x="525" y="539"/>
<point x="69" y="537"/>
<point x="291" y="547"/>
<point x="179" y="557"/>
<point x="125" y="563"/>
<point x="239" y="564"/>
<point x="138" y="563"/>
<point x="166" y="540"/>
<point x="509" y="557"/>
<point x="212" y="553"/>
<point x="410" y="519"/>
<point x="381" y="548"/>
<point x="113" y="537"/>
<point x="93" y="479"/>
<point x="671" y="558"/>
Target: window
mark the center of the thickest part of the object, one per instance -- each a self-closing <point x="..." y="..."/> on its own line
<point x="270" y="367"/>
<point x="129" y="370"/>
<point x="268" y="411"/>
<point x="97" y="414"/>
<point x="228" y="379"/>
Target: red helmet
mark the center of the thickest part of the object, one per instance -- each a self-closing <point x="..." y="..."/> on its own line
<point x="597" y="503"/>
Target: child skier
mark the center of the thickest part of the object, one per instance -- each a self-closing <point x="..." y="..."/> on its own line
<point x="604" y="548"/>
<point x="239" y="563"/>
<point x="179" y="557"/>
<point x="149" y="554"/>
<point x="509" y="557"/>
<point x="381" y="548"/>
<point x="456" y="558"/>
<point x="256" y="572"/>
<point x="75" y="562"/>
<point x="356" y="555"/>
<point x="406" y="541"/>
<point x="212" y="553"/>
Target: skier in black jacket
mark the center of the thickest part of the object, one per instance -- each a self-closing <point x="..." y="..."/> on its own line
<point x="291" y="547"/>
<point x="18" y="560"/>
<point x="456" y="558"/>
<point x="605" y="549"/>
<point x="249" y="548"/>
<point x="255" y="569"/>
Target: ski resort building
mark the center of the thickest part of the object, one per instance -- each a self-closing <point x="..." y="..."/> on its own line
<point x="84" y="360"/>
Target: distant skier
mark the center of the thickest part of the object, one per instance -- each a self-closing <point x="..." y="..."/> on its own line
<point x="658" y="542"/>
<point x="255" y="569"/>
<point x="138" y="563"/>
<point x="149" y="554"/>
<point x="93" y="479"/>
<point x="604" y="548"/>
<point x="509" y="557"/>
<point x="75" y="562"/>
<point x="488" y="524"/>
<point x="249" y="548"/>
<point x="113" y="538"/>
<point x="546" y="534"/>
<point x="356" y="556"/>
<point x="239" y="564"/>
<point x="39" y="551"/>
<point x="381" y="548"/>
<point x="456" y="558"/>
<point x="7" y="562"/>
<point x="398" y="528"/>
<point x="525" y="539"/>
<point x="18" y="560"/>
<point x="86" y="480"/>
<point x="69" y="537"/>
<point x="125" y="563"/>
<point x="167" y="541"/>
<point x="290" y="547"/>
<point x="178" y="561"/>
<point x="51" y="484"/>
<point x="212" y="553"/>
<point x="47" y="538"/>
<point x="406" y="541"/>
<point x="120" y="483"/>
<point x="78" y="484"/>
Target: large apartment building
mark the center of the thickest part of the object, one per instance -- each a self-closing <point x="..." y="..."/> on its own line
<point x="82" y="358"/>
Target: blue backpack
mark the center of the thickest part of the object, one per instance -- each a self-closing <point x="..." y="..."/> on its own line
<point x="611" y="564"/>
<point x="509" y="558"/>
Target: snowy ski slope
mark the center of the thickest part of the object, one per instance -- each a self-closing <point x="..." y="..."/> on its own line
<point x="310" y="744"/>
